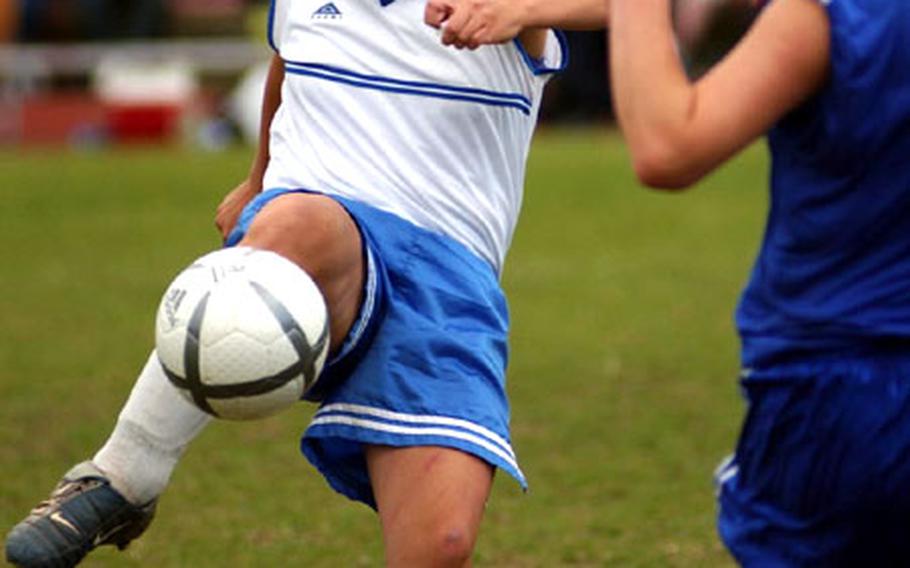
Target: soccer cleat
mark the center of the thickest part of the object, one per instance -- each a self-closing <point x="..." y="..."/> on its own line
<point x="83" y="512"/>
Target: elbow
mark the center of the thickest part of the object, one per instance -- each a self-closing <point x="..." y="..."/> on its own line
<point x="665" y="165"/>
<point x="661" y="175"/>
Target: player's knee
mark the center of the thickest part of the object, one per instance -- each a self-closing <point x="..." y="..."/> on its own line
<point x="456" y="547"/>
<point x="292" y="220"/>
<point x="451" y="545"/>
<point x="447" y="543"/>
<point x="311" y="230"/>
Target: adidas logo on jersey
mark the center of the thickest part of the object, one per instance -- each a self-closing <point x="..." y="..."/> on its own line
<point x="327" y="12"/>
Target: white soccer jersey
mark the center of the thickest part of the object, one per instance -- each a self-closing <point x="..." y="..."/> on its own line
<point x="376" y="109"/>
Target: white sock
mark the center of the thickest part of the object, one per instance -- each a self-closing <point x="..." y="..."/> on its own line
<point x="153" y="429"/>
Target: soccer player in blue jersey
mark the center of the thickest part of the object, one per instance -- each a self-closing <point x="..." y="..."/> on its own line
<point x="822" y="466"/>
<point x="391" y="168"/>
<point x="821" y="470"/>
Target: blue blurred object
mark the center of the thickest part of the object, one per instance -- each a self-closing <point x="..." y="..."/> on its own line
<point x="68" y="20"/>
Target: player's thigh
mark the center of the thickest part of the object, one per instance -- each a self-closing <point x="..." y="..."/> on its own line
<point x="318" y="234"/>
<point x="430" y="501"/>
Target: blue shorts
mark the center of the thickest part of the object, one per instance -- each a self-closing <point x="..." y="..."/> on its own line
<point x="425" y="363"/>
<point x="821" y="473"/>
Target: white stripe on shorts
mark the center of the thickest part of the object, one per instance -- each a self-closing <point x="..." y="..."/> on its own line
<point x="725" y="471"/>
<point x="417" y="424"/>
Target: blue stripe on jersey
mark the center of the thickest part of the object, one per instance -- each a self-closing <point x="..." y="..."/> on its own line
<point x="380" y="79"/>
<point x="388" y="84"/>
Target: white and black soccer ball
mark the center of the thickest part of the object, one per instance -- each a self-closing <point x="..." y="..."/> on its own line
<point x="242" y="333"/>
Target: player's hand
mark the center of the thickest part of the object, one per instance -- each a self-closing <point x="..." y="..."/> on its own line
<point x="232" y="205"/>
<point x="472" y="23"/>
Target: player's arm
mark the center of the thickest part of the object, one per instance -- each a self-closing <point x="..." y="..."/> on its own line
<point x="271" y="100"/>
<point x="471" y="23"/>
<point x="678" y="131"/>
<point x="234" y="202"/>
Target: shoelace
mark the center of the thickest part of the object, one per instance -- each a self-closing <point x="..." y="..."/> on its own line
<point x="64" y="491"/>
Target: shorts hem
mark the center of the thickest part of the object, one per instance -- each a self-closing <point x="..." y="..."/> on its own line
<point x="357" y="431"/>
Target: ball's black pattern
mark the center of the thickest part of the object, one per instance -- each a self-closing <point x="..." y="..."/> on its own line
<point x="305" y="365"/>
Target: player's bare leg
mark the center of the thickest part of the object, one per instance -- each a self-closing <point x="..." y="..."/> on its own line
<point x="111" y="499"/>
<point x="317" y="233"/>
<point x="431" y="501"/>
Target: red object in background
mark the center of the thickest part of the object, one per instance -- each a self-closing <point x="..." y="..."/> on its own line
<point x="58" y="119"/>
<point x="142" y="122"/>
<point x="10" y="122"/>
<point x="82" y="119"/>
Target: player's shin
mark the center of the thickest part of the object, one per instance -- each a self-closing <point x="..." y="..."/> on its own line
<point x="153" y="429"/>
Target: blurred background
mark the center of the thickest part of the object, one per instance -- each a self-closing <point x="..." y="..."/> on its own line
<point x="97" y="72"/>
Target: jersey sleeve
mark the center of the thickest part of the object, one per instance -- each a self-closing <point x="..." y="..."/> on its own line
<point x="278" y="17"/>
<point x="555" y="56"/>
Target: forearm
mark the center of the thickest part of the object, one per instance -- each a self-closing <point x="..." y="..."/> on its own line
<point x="566" y="14"/>
<point x="271" y="100"/>
<point x="230" y="208"/>
<point x="678" y="131"/>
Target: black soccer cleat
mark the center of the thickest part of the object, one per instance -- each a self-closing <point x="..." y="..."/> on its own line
<point x="83" y="512"/>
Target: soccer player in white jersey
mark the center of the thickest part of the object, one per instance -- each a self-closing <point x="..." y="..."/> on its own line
<point x="390" y="167"/>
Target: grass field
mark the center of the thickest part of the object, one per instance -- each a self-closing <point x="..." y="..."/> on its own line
<point x="622" y="372"/>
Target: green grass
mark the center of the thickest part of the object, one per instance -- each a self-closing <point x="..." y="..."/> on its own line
<point x="622" y="373"/>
